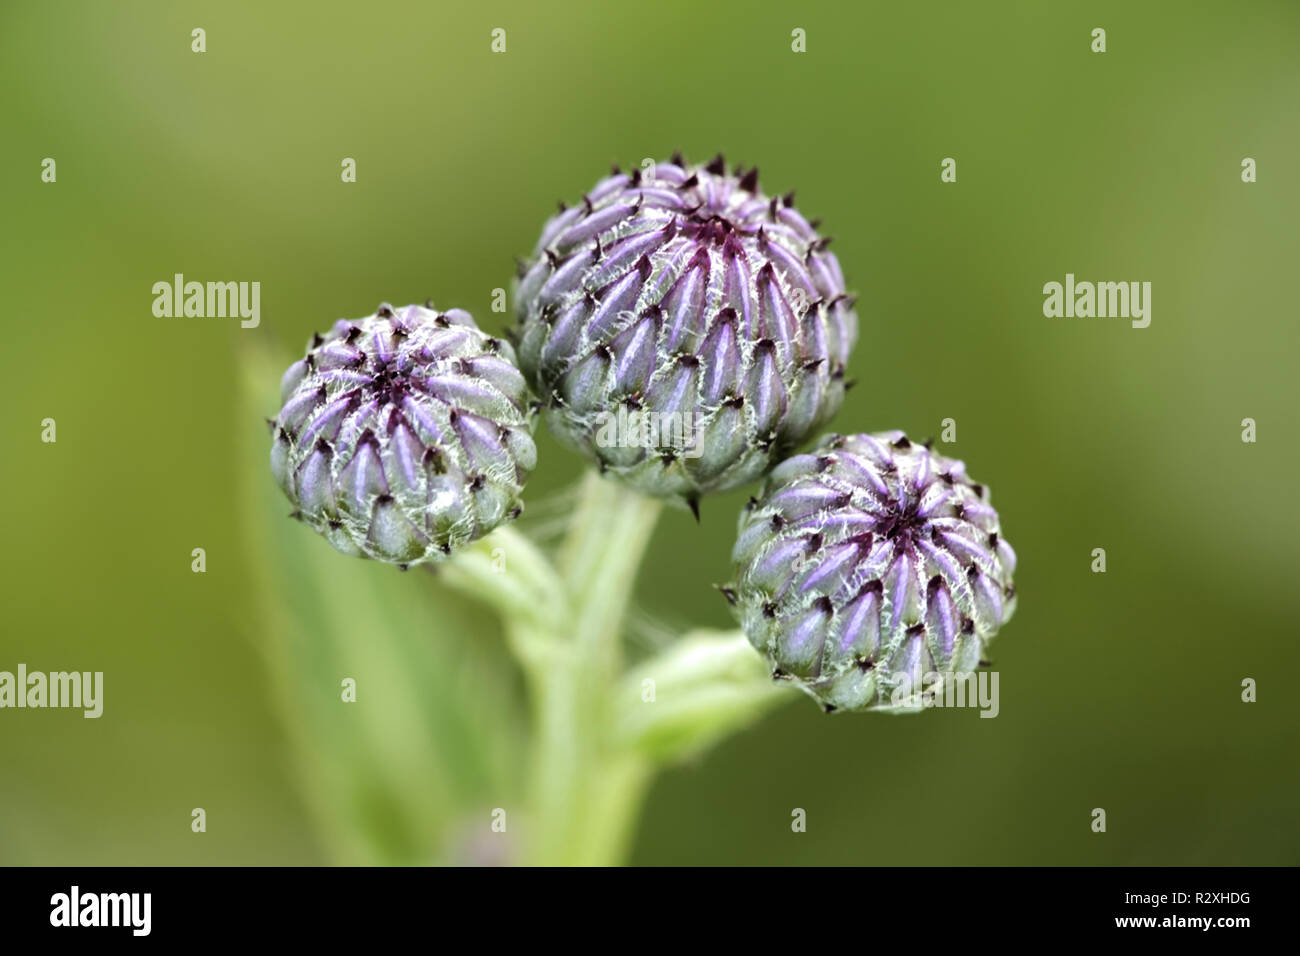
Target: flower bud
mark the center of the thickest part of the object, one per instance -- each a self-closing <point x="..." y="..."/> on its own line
<point x="404" y="435"/>
<point x="868" y="566"/>
<point x="683" y="329"/>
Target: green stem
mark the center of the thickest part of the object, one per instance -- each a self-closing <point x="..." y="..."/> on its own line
<point x="586" y="791"/>
<point x="598" y="734"/>
<point x="507" y="571"/>
<point x="706" y="685"/>
<point x="600" y="558"/>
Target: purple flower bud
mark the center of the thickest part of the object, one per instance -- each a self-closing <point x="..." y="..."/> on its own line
<point x="404" y="435"/>
<point x="868" y="564"/>
<point x="687" y="297"/>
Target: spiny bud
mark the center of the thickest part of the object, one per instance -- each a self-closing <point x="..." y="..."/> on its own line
<point x="869" y="565"/>
<point x="683" y="329"/>
<point x="404" y="435"/>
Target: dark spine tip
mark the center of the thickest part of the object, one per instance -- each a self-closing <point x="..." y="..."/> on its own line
<point x="693" y="502"/>
<point x="717" y="165"/>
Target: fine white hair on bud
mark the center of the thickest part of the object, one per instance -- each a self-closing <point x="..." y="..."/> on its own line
<point x="404" y="435"/>
<point x="868" y="564"/>
<point x="684" y="298"/>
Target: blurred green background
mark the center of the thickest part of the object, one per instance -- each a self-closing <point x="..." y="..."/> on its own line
<point x="1118" y="690"/>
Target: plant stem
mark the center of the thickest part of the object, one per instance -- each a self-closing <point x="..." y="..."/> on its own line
<point x="506" y="571"/>
<point x="587" y="792"/>
<point x="597" y="740"/>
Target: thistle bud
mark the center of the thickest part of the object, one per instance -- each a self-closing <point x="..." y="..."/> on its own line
<point x="683" y="329"/>
<point x="404" y="435"/>
<point x="868" y="567"/>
